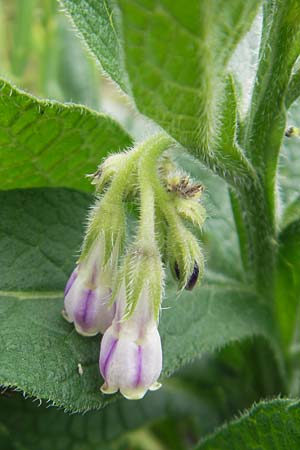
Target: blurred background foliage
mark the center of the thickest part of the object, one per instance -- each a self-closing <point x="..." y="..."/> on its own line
<point x="41" y="53"/>
<point x="38" y="49"/>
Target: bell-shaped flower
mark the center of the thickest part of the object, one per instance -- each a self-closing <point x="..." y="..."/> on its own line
<point x="88" y="293"/>
<point x="131" y="353"/>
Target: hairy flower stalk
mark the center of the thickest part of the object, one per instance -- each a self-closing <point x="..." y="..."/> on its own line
<point x="88" y="291"/>
<point x="131" y="354"/>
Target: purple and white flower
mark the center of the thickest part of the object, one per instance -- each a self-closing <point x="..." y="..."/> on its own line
<point x="87" y="295"/>
<point x="131" y="353"/>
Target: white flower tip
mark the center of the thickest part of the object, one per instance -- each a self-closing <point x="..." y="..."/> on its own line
<point x="155" y="386"/>
<point x="133" y="394"/>
<point x="105" y="389"/>
<point x="88" y="333"/>
<point x="65" y="316"/>
<point x="129" y="394"/>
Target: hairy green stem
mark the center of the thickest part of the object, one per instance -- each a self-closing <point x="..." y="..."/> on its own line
<point x="255" y="206"/>
<point x="147" y="169"/>
<point x="154" y="146"/>
<point x="264" y="131"/>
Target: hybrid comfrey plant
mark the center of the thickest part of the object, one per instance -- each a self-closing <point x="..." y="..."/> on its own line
<point x="218" y="86"/>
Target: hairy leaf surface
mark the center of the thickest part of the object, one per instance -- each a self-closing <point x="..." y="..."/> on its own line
<point x="45" y="143"/>
<point x="173" y="60"/>
<point x="38" y="427"/>
<point x="272" y="425"/>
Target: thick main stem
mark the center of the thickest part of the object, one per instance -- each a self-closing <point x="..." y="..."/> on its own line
<point x="260" y="241"/>
<point x="264" y="131"/>
<point x="255" y="207"/>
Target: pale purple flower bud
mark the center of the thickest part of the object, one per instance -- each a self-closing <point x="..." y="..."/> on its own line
<point x="131" y="354"/>
<point x="87" y="296"/>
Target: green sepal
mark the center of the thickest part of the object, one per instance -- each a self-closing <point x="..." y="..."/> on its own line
<point x="142" y="272"/>
<point x="161" y="229"/>
<point x="190" y="210"/>
<point x="106" y="221"/>
<point x="108" y="170"/>
<point x="184" y="253"/>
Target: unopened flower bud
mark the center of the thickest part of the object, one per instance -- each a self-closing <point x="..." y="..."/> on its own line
<point x="292" y="132"/>
<point x="107" y="170"/>
<point x="179" y="183"/>
<point x="106" y="223"/>
<point x="192" y="280"/>
<point x="190" y="210"/>
<point x="185" y="257"/>
<point x="142" y="270"/>
<point x="131" y="354"/>
<point x="87" y="295"/>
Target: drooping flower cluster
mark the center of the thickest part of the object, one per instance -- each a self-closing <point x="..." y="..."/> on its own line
<point x="117" y="287"/>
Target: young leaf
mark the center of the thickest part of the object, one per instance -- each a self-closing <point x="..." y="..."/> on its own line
<point x="45" y="143"/>
<point x="230" y="161"/>
<point x="39" y="233"/>
<point x="272" y="425"/>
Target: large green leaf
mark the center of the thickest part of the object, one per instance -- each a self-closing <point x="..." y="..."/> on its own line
<point x="175" y="58"/>
<point x="40" y="234"/>
<point x="38" y="427"/>
<point x="272" y="425"/>
<point x="183" y="52"/>
<point x="45" y="143"/>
